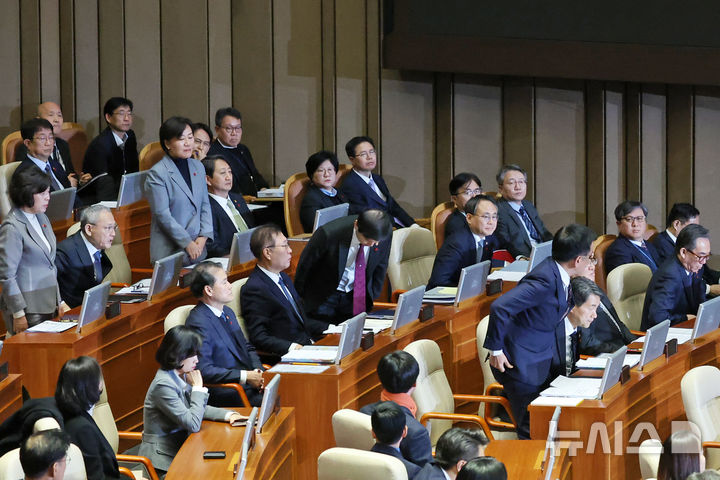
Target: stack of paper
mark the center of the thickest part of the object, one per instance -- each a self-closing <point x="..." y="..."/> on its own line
<point x="290" y="368"/>
<point x="440" y="295"/>
<point x="377" y="325"/>
<point x="575" y="387"/>
<point x="143" y="286"/>
<point x="511" y="273"/>
<point x="51" y="326"/>
<point x="311" y="354"/>
<point x="272" y="192"/>
<point x="598" y="363"/>
<point x="682" y="334"/>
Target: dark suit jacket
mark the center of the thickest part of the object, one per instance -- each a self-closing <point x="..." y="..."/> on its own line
<point x="523" y="322"/>
<point x="665" y="248"/>
<point x="411" y="468"/>
<point x="246" y="177"/>
<point x="456" y="222"/>
<point x="103" y="155"/>
<point x="271" y="321"/>
<point x="668" y="297"/>
<point x="222" y="357"/>
<point x="362" y="197"/>
<point x="457" y="252"/>
<point x="511" y="230"/>
<point x="75" y="269"/>
<point x="622" y="251"/>
<point x="26" y="163"/>
<point x="416" y="445"/>
<point x="315" y="200"/>
<point x="60" y="172"/>
<point x="559" y="362"/>
<point x="19" y="426"/>
<point x="431" y="471"/>
<point x="322" y="263"/>
<point x="100" y="461"/>
<point x="606" y="333"/>
<point x="224" y="229"/>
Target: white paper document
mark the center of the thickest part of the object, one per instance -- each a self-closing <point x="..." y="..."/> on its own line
<point x="253" y="206"/>
<point x="311" y="354"/>
<point x="556" y="401"/>
<point x="598" y="363"/>
<point x="143" y="286"/>
<point x="221" y="260"/>
<point x="506" y="276"/>
<point x="272" y="192"/>
<point x="290" y="368"/>
<point x="573" y="387"/>
<point x="51" y="326"/>
<point x="682" y="334"/>
<point x="375" y="324"/>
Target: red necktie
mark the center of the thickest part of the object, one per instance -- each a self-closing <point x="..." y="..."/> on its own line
<point x="359" y="288"/>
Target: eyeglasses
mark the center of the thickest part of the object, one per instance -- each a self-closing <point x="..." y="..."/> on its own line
<point x="701" y="258"/>
<point x="230" y="129"/>
<point x="468" y="192"/>
<point x="488" y="217"/>
<point x="629" y="219"/>
<point x="284" y="245"/>
<point x="45" y="138"/>
<point x="124" y="113"/>
<point x="365" y="155"/>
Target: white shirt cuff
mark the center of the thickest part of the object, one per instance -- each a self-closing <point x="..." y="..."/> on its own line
<point x="19" y="314"/>
<point x="243" y="376"/>
<point x="495" y="353"/>
<point x="293" y="346"/>
<point x="200" y="389"/>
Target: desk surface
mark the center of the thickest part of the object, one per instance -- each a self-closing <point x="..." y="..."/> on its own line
<point x="523" y="458"/>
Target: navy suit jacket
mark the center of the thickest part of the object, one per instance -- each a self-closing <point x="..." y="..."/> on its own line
<point x="103" y="155"/>
<point x="606" y="333"/>
<point x="523" y="322"/>
<point x="246" y="177"/>
<point x="224" y="229"/>
<point x="222" y="357"/>
<point x="667" y="296"/>
<point x="457" y="252"/>
<point x="60" y="172"/>
<point x="622" y="251"/>
<point x="431" y="471"/>
<point x="270" y="318"/>
<point x="511" y="230"/>
<point x="362" y="198"/>
<point x="76" y="270"/>
<point x="315" y="200"/>
<point x="456" y="221"/>
<point x="411" y="468"/>
<point x="666" y="249"/>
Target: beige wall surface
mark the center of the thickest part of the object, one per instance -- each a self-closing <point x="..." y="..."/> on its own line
<point x="307" y="75"/>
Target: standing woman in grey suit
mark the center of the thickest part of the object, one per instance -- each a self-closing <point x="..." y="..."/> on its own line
<point x="176" y="402"/>
<point x="176" y="190"/>
<point x="30" y="293"/>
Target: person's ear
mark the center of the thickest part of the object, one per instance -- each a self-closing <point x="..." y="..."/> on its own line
<point x="405" y="430"/>
<point x="207" y="289"/>
<point x="207" y="181"/>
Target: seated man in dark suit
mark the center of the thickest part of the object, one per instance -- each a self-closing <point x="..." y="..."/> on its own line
<point x="521" y="330"/>
<point x="630" y="246"/>
<point x="366" y="190"/>
<point x="454" y="449"/>
<point x="80" y="260"/>
<point x="225" y="355"/>
<point x="230" y="213"/>
<point x="321" y="168"/>
<point x="388" y="428"/>
<point x="39" y="142"/>
<point x="114" y="151"/>
<point x="519" y="224"/>
<point x="463" y="187"/>
<point x="677" y="289"/>
<point x="272" y="309"/>
<point x="467" y="246"/>
<point x="398" y="372"/>
<point x="342" y="268"/>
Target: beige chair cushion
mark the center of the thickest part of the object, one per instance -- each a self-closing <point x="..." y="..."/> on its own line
<point x="11" y="469"/>
<point x="700" y="388"/>
<point x="235" y="304"/>
<point x="351" y="464"/>
<point x="626" y="287"/>
<point x="177" y="316"/>
<point x="352" y="429"/>
<point x="412" y="253"/>
<point x="649" y="457"/>
<point x="105" y="420"/>
<point x="121" y="272"/>
<point x="6" y="173"/>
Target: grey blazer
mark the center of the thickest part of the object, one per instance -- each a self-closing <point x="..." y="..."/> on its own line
<point x="171" y="412"/>
<point x="179" y="216"/>
<point x="27" y="270"/>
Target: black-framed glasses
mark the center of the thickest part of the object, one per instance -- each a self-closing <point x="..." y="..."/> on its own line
<point x="638" y="219"/>
<point x="701" y="258"/>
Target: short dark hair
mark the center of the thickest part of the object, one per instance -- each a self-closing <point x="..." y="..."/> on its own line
<point x="179" y="343"/>
<point x="209" y="163"/>
<point x="33" y="126"/>
<point x="374" y="224"/>
<point x="462" y="179"/>
<point x="510" y="167"/>
<point x="483" y="468"/>
<point x="472" y="204"/>
<point x="571" y="241"/>
<point x="262" y="237"/>
<point x="688" y="236"/>
<point x="114" y="103"/>
<point x="26" y="183"/>
<point x="201" y="277"/>
<point x="628" y="206"/>
<point x="317" y="158"/>
<point x="41" y="450"/>
<point x="582" y="288"/>
<point x="204" y="127"/>
<point x="354" y="142"/>
<point x="388" y="422"/>
<point x="226" y="112"/>
<point x="683" y="212"/>
<point x="398" y="371"/>
<point x="172" y="128"/>
<point x="458" y="444"/>
<point x="78" y="385"/>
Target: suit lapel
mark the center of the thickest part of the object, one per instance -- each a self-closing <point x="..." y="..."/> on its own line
<point x="177" y="177"/>
<point x="221" y="333"/>
<point x="515" y="218"/>
<point x="275" y="289"/>
<point x="35" y="235"/>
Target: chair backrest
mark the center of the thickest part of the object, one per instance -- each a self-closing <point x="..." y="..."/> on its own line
<point x="649" y="457"/>
<point x="10" y="145"/>
<point x="598" y="247"/>
<point x="412" y="253"/>
<point x="103" y="416"/>
<point x="75" y="135"/>
<point x="650" y="232"/>
<point x="295" y="188"/>
<point x="480" y="334"/>
<point x="120" y="272"/>
<point x="235" y="304"/>
<point x="343" y="169"/>
<point x="11" y="469"/>
<point x="700" y="388"/>
<point x="150" y="155"/>
<point x="351" y="464"/>
<point x="6" y="173"/>
<point x="177" y="316"/>
<point x="438" y="217"/>
<point x="432" y="392"/>
<point x="626" y="287"/>
<point x="352" y="429"/>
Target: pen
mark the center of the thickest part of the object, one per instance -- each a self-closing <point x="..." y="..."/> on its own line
<point x="303" y="363"/>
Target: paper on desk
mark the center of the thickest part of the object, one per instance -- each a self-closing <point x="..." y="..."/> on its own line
<point x="254" y="206"/>
<point x="573" y="387"/>
<point x="682" y="334"/>
<point x="108" y="204"/>
<point x="506" y="276"/>
<point x="556" y="401"/>
<point x="290" y="368"/>
<point x="440" y="295"/>
<point x="375" y="324"/>
<point x="311" y="355"/>
<point x="272" y="192"/>
<point x="221" y="260"/>
<point x="598" y="363"/>
<point x="51" y="326"/>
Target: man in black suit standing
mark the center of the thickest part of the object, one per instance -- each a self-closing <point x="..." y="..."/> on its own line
<point x="342" y="268"/>
<point x="272" y="309"/>
<point x="519" y="224"/>
<point x="114" y="151"/>
<point x="81" y="260"/>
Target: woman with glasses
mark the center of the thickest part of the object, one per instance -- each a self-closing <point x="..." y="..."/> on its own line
<point x="321" y="168"/>
<point x="463" y="187"/>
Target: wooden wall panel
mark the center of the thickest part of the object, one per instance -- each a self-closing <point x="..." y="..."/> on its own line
<point x="519" y="127"/>
<point x="707" y="167"/>
<point x="680" y="144"/>
<point x="67" y="59"/>
<point x="111" y="49"/>
<point x="444" y="143"/>
<point x="595" y="135"/>
<point x="219" y="55"/>
<point x="88" y="106"/>
<point x="10" y="80"/>
<point x="653" y="154"/>
<point x="614" y="157"/>
<point x="50" y="50"/>
<point x="30" y="60"/>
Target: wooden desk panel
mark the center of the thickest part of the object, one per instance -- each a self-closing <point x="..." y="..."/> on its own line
<point x="10" y="396"/>
<point x="522" y="459"/>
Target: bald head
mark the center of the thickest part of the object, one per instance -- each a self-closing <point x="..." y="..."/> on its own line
<point x="51" y="112"/>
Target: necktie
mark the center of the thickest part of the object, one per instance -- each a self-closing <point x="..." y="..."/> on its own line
<point x="55" y="184"/>
<point x="479" y="254"/>
<point x="376" y="189"/>
<point x="98" y="266"/>
<point x="645" y="251"/>
<point x="237" y="218"/>
<point x="290" y="298"/>
<point x="529" y="224"/>
<point x="571" y="348"/>
<point x="570" y="302"/>
<point x="359" y="289"/>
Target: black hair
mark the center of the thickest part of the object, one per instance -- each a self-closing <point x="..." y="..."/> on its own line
<point x="209" y="163"/>
<point x="41" y="450"/>
<point x="179" y="343"/>
<point x="201" y="277"/>
<point x="354" y="142"/>
<point x="78" y="386"/>
<point x="33" y="126"/>
<point x="471" y="205"/>
<point x="483" y="468"/>
<point x="458" y="444"/>
<point x="582" y="288"/>
<point x="388" y="422"/>
<point x="572" y="241"/>
<point x="226" y="112"/>
<point x="462" y="179"/>
<point x="172" y="128"/>
<point x="317" y="158"/>
<point x="204" y="127"/>
<point x="374" y="225"/>
<point x="263" y="237"/>
<point x="624" y="208"/>
<point x="114" y="103"/>
<point x="398" y="371"/>
<point x="26" y="183"/>
<point x="511" y="167"/>
<point x="684" y="212"/>
<point x="688" y="237"/>
<point x="680" y="456"/>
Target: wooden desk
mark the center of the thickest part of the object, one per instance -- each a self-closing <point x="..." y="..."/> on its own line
<point x="10" y="396"/>
<point x="523" y="459"/>
<point x="273" y="457"/>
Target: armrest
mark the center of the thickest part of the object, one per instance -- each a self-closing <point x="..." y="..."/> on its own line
<point x="235" y="386"/>
<point x="384" y="304"/>
<point x="423" y="222"/>
<point x="126" y="472"/>
<point x="138" y="459"/>
<point x="130" y="436"/>
<point x="119" y="285"/>
<point x="459" y="417"/>
<point x="395" y="295"/>
<point x="502" y="401"/>
<point x="711" y="445"/>
<point x="148" y="271"/>
<point x="637" y="333"/>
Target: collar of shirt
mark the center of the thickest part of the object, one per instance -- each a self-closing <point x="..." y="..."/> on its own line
<point x="564" y="277"/>
<point x="32" y="218"/>
<point x="275" y="277"/>
<point x="447" y="476"/>
<point x="330" y="193"/>
<point x="118" y="139"/>
<point x="478" y="238"/>
<point x="225" y="146"/>
<point x="569" y="329"/>
<point x="214" y="310"/>
<point x="366" y="178"/>
<point x="40" y="163"/>
<point x="672" y="237"/>
<point x="221" y="200"/>
<point x="90" y="247"/>
<point x="515" y="206"/>
<point x="639" y="243"/>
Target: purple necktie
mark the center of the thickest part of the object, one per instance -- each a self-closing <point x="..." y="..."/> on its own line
<point x="359" y="288"/>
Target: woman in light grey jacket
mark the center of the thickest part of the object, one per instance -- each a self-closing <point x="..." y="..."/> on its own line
<point x="176" y="402"/>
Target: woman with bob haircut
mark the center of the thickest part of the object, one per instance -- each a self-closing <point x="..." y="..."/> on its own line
<point x="483" y="468"/>
<point x="176" y="402"/>
<point x="321" y="169"/>
<point x="681" y="456"/>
